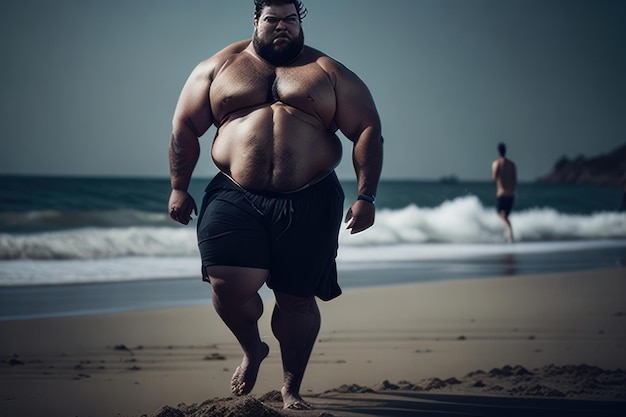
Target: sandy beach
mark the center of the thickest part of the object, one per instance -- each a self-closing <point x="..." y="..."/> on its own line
<point x="548" y="344"/>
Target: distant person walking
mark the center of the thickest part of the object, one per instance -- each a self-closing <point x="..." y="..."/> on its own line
<point x="504" y="173"/>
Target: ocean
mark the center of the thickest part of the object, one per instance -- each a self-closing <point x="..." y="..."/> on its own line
<point x="84" y="245"/>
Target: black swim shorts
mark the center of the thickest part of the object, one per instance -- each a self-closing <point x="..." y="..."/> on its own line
<point x="293" y="235"/>
<point x="505" y="204"/>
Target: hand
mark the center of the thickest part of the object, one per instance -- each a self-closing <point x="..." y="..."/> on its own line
<point x="181" y="205"/>
<point x="360" y="216"/>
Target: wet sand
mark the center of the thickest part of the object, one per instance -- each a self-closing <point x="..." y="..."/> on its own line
<point x="551" y="344"/>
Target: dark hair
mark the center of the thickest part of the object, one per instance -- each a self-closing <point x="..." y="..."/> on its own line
<point x="260" y="4"/>
<point x="502" y="148"/>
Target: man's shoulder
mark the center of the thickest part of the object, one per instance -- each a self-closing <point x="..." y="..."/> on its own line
<point x="228" y="52"/>
<point x="234" y="48"/>
<point x="326" y="62"/>
<point x="312" y="54"/>
<point x="216" y="61"/>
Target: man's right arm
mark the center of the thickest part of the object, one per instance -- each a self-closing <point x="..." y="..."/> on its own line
<point x="192" y="118"/>
<point x="494" y="170"/>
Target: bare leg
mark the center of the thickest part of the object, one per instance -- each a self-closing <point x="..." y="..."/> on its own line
<point x="507" y="224"/>
<point x="295" y="323"/>
<point x="236" y="300"/>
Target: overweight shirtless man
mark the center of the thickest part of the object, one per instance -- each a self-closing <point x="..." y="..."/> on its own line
<point x="504" y="173"/>
<point x="273" y="212"/>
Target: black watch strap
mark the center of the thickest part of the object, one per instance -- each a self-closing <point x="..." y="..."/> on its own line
<point x="367" y="197"/>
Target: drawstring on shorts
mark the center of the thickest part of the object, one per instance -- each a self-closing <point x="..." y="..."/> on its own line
<point x="284" y="207"/>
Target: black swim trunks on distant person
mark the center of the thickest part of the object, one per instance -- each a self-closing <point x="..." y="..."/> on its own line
<point x="294" y="235"/>
<point x="505" y="204"/>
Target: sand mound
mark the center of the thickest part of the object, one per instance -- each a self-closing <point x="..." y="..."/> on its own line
<point x="571" y="382"/>
<point x="220" y="407"/>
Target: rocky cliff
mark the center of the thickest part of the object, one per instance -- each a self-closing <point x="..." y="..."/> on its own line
<point x="609" y="169"/>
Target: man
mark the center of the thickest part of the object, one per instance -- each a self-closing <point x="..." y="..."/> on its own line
<point x="504" y="174"/>
<point x="272" y="213"/>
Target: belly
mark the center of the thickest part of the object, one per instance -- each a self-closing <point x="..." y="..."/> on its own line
<point x="275" y="148"/>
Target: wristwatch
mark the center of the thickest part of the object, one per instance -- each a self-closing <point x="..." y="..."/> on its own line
<point x="371" y="198"/>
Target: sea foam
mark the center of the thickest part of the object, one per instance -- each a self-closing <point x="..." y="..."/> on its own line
<point x="460" y="221"/>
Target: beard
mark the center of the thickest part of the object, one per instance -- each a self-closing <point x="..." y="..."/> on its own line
<point x="282" y="57"/>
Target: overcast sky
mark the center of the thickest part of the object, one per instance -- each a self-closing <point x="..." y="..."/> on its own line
<point x="89" y="87"/>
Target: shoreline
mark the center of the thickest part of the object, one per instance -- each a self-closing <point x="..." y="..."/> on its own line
<point x="71" y="299"/>
<point x="133" y="363"/>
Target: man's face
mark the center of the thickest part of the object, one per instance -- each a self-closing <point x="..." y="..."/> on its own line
<point x="278" y="36"/>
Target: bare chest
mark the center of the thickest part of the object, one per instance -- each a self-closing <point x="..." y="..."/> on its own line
<point x="248" y="83"/>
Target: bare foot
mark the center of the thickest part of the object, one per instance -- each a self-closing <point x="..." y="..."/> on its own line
<point x="298" y="405"/>
<point x="294" y="401"/>
<point x="245" y="375"/>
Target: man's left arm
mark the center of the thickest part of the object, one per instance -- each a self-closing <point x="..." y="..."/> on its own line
<point x="359" y="121"/>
